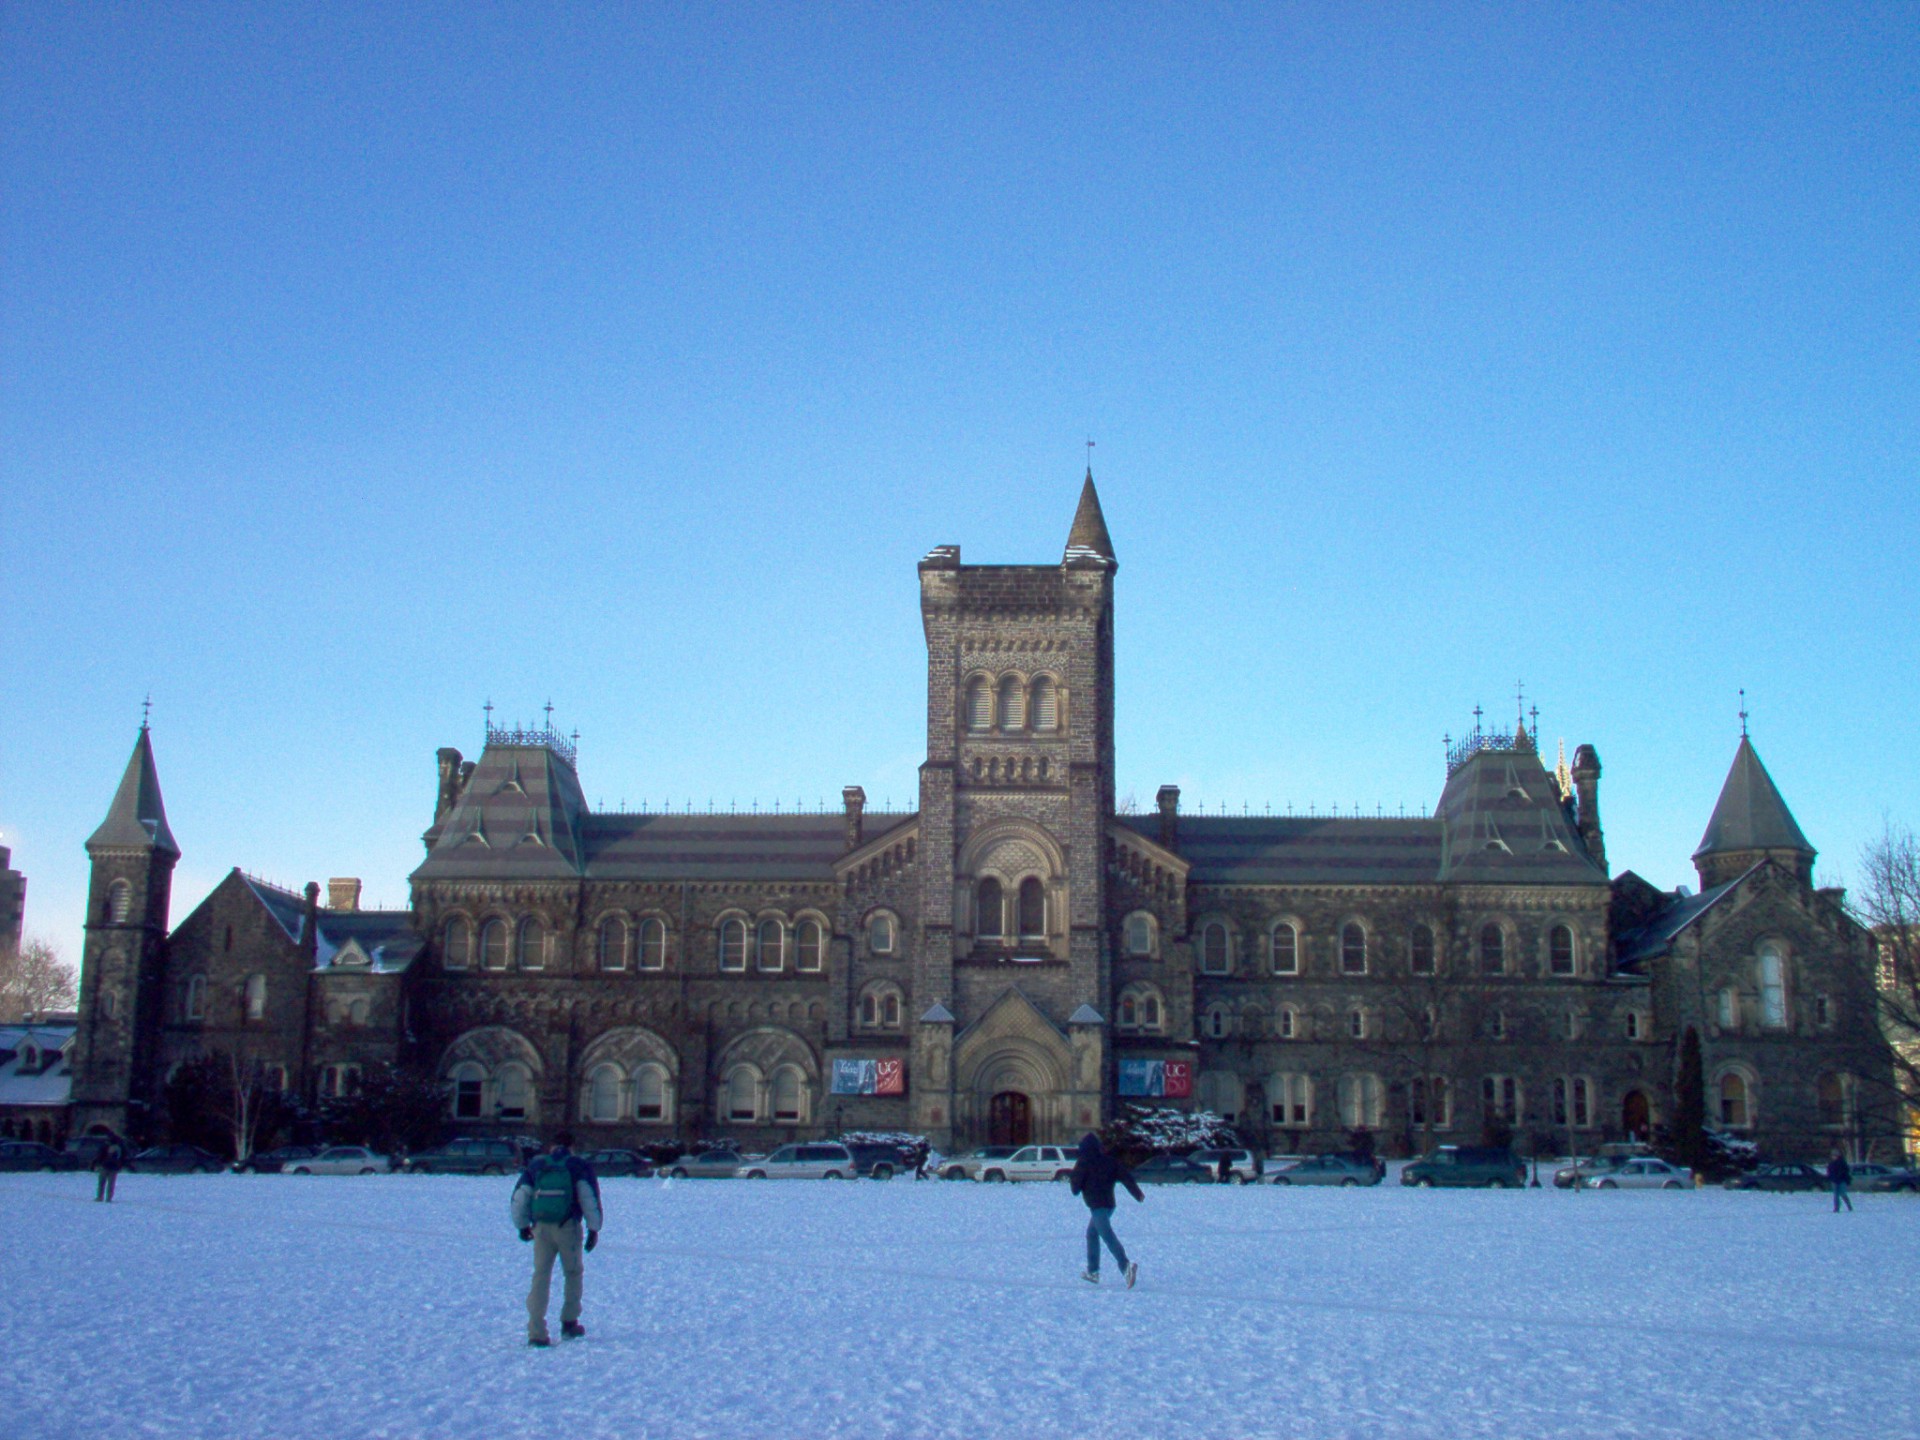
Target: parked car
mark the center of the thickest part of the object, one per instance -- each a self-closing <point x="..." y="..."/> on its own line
<point x="822" y="1160"/>
<point x="1239" y="1163"/>
<point x="708" y="1165"/>
<point x="620" y="1162"/>
<point x="28" y="1155"/>
<point x="1332" y="1170"/>
<point x="1872" y="1176"/>
<point x="177" y="1160"/>
<point x="1467" y="1165"/>
<point x="877" y="1160"/>
<point x="1793" y="1175"/>
<point x="1641" y="1173"/>
<point x="272" y="1162"/>
<point x="1031" y="1162"/>
<point x="969" y="1165"/>
<point x="1583" y="1168"/>
<point x="1172" y="1170"/>
<point x="82" y="1152"/>
<point x="342" y="1160"/>
<point x="468" y="1157"/>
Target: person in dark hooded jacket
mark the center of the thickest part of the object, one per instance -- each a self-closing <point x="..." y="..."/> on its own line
<point x="1095" y="1174"/>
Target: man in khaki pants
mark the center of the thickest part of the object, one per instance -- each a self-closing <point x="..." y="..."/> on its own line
<point x="557" y="1195"/>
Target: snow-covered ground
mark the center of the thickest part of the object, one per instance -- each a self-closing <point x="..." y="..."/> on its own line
<point x="280" y="1306"/>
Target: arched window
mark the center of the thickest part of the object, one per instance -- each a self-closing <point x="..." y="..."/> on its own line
<point x="603" y="1094"/>
<point x="650" y="1093"/>
<point x="1735" y="1103"/>
<point x="1360" y="1097"/>
<point x="1139" y="933"/>
<point x="1573" y="1101"/>
<point x="1729" y="1008"/>
<point x="1150" y="1011"/>
<point x="1420" y="950"/>
<point x="789" y="1096"/>
<point x="1832" y="1094"/>
<point x="1353" y="949"/>
<point x="890" y="1012"/>
<point x="1216" y="1022"/>
<point x="613" y="943"/>
<point x="119" y="902"/>
<point x="1560" y="950"/>
<point x="733" y="945"/>
<point x="1500" y="1097"/>
<point x="1286" y="1022"/>
<point x="515" y="1092"/>
<point x="493" y="945"/>
<point x="771" y="950"/>
<point x="743" y="1097"/>
<point x="653" y="944"/>
<point x="1129" y="1012"/>
<point x="1493" y="949"/>
<point x="1291" y="1099"/>
<point x="991" y="922"/>
<point x="809" y="946"/>
<point x="870" y="1009"/>
<point x="456" y="944"/>
<point x="1033" y="909"/>
<point x="979" y="704"/>
<point x="1286" y="949"/>
<point x="533" y="944"/>
<point x="1213" y="949"/>
<point x="880" y="934"/>
<point x="1357" y="1024"/>
<point x="358" y="1010"/>
<point x="256" y="997"/>
<point x="1633" y="1024"/>
<point x="1773" y="987"/>
<point x="1046" y="705"/>
<point x="1429" y="1101"/>
<point x="469" y="1091"/>
<point x="1013" y="705"/>
<point x="197" y="998"/>
<point x="106" y="1003"/>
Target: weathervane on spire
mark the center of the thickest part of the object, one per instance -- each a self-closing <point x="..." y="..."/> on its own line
<point x="146" y="711"/>
<point x="549" y="714"/>
<point x="1520" y="703"/>
<point x="1089" y="457"/>
<point x="1743" y="712"/>
<point x="488" y="708"/>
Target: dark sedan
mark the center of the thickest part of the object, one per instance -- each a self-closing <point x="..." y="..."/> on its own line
<point x="620" y="1162"/>
<point x="1791" y="1176"/>
<point x="177" y="1160"/>
<point x="1332" y="1170"/>
<point x="28" y="1155"/>
<point x="274" y="1162"/>
<point x="1172" y="1170"/>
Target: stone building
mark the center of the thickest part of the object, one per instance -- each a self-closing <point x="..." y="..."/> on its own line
<point x="1014" y="957"/>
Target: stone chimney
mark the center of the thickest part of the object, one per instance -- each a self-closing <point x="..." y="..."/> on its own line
<point x="1169" y="798"/>
<point x="856" y="801"/>
<point x="310" y="932"/>
<point x="343" y="893"/>
<point x="1586" y="790"/>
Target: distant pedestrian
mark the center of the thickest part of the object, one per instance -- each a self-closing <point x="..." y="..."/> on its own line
<point x="1259" y="1166"/>
<point x="1840" y="1176"/>
<point x="1223" y="1168"/>
<point x="920" y="1152"/>
<point x="1095" y="1174"/>
<point x="556" y="1195"/>
<point x="108" y="1162"/>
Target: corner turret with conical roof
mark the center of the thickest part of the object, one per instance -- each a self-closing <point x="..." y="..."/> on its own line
<point x="1088" y="539"/>
<point x="1750" y="823"/>
<point x="137" y="819"/>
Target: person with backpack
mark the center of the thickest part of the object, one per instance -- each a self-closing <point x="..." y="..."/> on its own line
<point x="1095" y="1174"/>
<point x="556" y="1196"/>
<point x="1840" y="1176"/>
<point x="108" y="1162"/>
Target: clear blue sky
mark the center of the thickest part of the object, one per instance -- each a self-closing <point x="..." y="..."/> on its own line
<point x="364" y="363"/>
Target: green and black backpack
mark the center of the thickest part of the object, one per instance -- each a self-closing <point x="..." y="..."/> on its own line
<point x="553" y="1193"/>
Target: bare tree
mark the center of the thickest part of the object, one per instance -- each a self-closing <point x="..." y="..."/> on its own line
<point x="1887" y="902"/>
<point x="34" y="979"/>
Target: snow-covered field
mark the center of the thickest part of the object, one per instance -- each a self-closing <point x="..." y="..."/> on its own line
<point x="279" y="1306"/>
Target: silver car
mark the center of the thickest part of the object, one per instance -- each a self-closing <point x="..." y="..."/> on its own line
<point x="1032" y="1162"/>
<point x="342" y="1160"/>
<point x="1329" y="1170"/>
<point x="818" y="1161"/>
<point x="970" y="1165"/>
<point x="707" y="1165"/>
<point x="1644" y="1173"/>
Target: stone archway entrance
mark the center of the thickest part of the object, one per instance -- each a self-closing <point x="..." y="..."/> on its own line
<point x="1635" y="1116"/>
<point x="1009" y="1119"/>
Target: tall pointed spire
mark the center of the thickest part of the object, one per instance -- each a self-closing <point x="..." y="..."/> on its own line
<point x="137" y="819"/>
<point x="1750" y="822"/>
<point x="1089" y="533"/>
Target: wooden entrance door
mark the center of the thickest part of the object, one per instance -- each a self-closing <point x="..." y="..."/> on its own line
<point x="1634" y="1118"/>
<point x="1009" y="1119"/>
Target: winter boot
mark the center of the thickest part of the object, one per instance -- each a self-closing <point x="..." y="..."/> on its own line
<point x="572" y="1330"/>
<point x="539" y="1342"/>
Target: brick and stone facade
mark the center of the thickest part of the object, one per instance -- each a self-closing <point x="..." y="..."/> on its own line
<point x="1007" y="951"/>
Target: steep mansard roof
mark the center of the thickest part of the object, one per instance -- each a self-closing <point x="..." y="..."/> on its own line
<point x="137" y="819"/>
<point x="1266" y="850"/>
<point x="386" y="937"/>
<point x="1750" y="814"/>
<point x="1504" y="823"/>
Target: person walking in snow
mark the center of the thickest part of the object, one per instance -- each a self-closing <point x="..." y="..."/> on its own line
<point x="1095" y="1174"/>
<point x="1840" y="1176"/>
<point x="108" y="1162"/>
<point x="557" y="1194"/>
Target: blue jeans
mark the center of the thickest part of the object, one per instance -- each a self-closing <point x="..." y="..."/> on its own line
<point x="1100" y="1227"/>
<point x="1839" y="1194"/>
